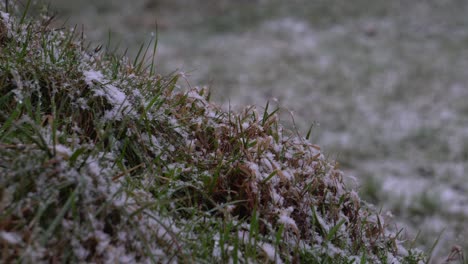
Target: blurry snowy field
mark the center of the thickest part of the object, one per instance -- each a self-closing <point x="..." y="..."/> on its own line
<point x="384" y="84"/>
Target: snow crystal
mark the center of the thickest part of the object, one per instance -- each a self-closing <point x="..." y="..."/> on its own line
<point x="10" y="237"/>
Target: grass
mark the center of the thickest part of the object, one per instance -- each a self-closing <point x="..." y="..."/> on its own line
<point x="373" y="94"/>
<point x="102" y="159"/>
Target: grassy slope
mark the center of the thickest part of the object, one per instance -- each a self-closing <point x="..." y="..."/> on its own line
<point x="104" y="160"/>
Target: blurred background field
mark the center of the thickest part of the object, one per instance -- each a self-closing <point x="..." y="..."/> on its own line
<point x="384" y="84"/>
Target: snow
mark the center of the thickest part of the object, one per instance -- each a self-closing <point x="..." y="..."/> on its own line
<point x="6" y="18"/>
<point x="193" y="94"/>
<point x="120" y="200"/>
<point x="270" y="252"/>
<point x="277" y="199"/>
<point x="285" y="219"/>
<point x="288" y="175"/>
<point x="80" y="252"/>
<point x="91" y="76"/>
<point x="63" y="151"/>
<point x="401" y="250"/>
<point x="267" y="163"/>
<point x="243" y="236"/>
<point x="332" y="250"/>
<point x="103" y="241"/>
<point x="94" y="168"/>
<point x="113" y="94"/>
<point x="10" y="237"/>
<point x="255" y="169"/>
<point x="117" y="97"/>
<point x="216" y="249"/>
<point x="392" y="259"/>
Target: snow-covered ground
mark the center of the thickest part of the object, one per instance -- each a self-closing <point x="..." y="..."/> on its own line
<point x="384" y="84"/>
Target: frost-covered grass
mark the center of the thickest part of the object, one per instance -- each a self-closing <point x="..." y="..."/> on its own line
<point x="104" y="160"/>
<point x="385" y="80"/>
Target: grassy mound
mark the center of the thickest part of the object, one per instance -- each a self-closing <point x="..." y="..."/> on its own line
<point x="102" y="160"/>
